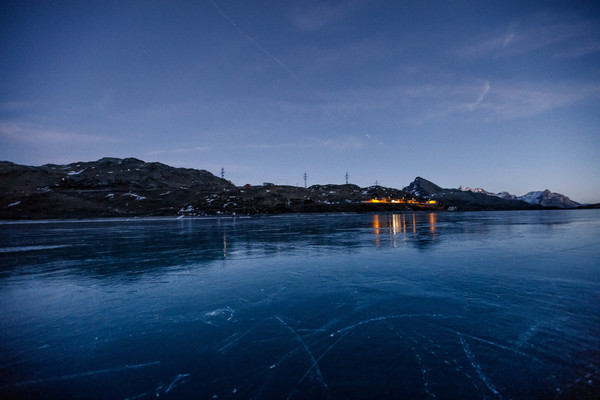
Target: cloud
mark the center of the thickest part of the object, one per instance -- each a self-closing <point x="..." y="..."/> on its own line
<point x="556" y="33"/>
<point x="322" y="15"/>
<point x="175" y="151"/>
<point x="581" y="49"/>
<point x="269" y="146"/>
<point x="340" y="143"/>
<point x="14" y="105"/>
<point x="368" y="53"/>
<point x="31" y="133"/>
<point x="344" y="143"/>
<point x="510" y="34"/>
<point x="525" y="100"/>
<point x="508" y="101"/>
<point x="429" y="102"/>
<point x="484" y="92"/>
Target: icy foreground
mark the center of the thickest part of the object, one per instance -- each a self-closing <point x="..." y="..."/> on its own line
<point x="407" y="305"/>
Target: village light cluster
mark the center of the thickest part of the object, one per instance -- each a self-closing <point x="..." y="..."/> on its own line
<point x="402" y="201"/>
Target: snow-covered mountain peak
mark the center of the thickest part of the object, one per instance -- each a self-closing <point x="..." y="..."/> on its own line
<point x="547" y="198"/>
<point x="475" y="190"/>
<point x="544" y="198"/>
<point x="532" y="197"/>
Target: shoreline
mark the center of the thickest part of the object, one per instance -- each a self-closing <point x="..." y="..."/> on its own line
<point x="257" y="215"/>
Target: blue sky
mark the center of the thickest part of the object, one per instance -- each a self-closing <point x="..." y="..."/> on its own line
<point x="494" y="94"/>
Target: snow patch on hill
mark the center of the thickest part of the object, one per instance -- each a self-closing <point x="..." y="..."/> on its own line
<point x="476" y="190"/>
<point x="532" y="197"/>
<point x="544" y="198"/>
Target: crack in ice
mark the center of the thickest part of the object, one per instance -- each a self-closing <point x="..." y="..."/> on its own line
<point x="235" y="340"/>
<point x="477" y="367"/>
<point x="177" y="381"/>
<point x="86" y="373"/>
<point x="386" y="317"/>
<point x="310" y="353"/>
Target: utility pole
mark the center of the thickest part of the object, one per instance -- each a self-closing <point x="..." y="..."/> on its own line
<point x="347" y="178"/>
<point x="222" y="173"/>
<point x="305" y="176"/>
<point x="376" y="183"/>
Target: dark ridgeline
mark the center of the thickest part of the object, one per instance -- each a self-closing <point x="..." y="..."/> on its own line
<point x="113" y="187"/>
<point x="465" y="200"/>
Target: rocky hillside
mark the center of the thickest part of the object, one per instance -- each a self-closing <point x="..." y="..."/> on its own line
<point x="465" y="199"/>
<point x="113" y="187"/>
<point x="104" y="188"/>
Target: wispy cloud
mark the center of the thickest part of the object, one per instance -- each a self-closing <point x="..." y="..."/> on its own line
<point x="273" y="146"/>
<point x="510" y="34"/>
<point x="344" y="143"/>
<point x="26" y="132"/>
<point x="509" y="100"/>
<point x="14" y="105"/>
<point x="177" y="151"/>
<point x="524" y="100"/>
<point x="545" y="31"/>
<point x="581" y="49"/>
<point x="484" y="92"/>
<point x="316" y="17"/>
<point x="339" y="144"/>
<point x="421" y="103"/>
<point x="369" y="52"/>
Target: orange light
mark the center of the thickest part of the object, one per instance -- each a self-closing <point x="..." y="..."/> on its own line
<point x="400" y="201"/>
<point x="376" y="223"/>
<point x="376" y="229"/>
<point x="432" y="221"/>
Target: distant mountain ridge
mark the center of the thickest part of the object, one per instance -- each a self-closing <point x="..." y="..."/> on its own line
<point x="464" y="199"/>
<point x="114" y="187"/>
<point x="544" y="198"/>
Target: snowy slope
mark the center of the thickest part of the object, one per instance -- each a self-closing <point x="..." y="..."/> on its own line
<point x="532" y="197"/>
<point x="544" y="198"/>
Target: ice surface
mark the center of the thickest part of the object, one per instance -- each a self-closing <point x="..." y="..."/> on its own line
<point x="415" y="305"/>
<point x="18" y="249"/>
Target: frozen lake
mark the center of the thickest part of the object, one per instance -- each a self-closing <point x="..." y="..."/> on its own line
<point x="416" y="305"/>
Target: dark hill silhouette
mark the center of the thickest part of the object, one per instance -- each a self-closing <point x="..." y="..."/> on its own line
<point x="114" y="187"/>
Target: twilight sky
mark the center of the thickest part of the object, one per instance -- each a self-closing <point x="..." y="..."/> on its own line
<point x="495" y="94"/>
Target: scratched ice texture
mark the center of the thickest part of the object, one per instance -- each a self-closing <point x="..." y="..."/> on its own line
<point x="486" y="305"/>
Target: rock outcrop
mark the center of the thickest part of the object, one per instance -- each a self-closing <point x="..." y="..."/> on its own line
<point x="462" y="199"/>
